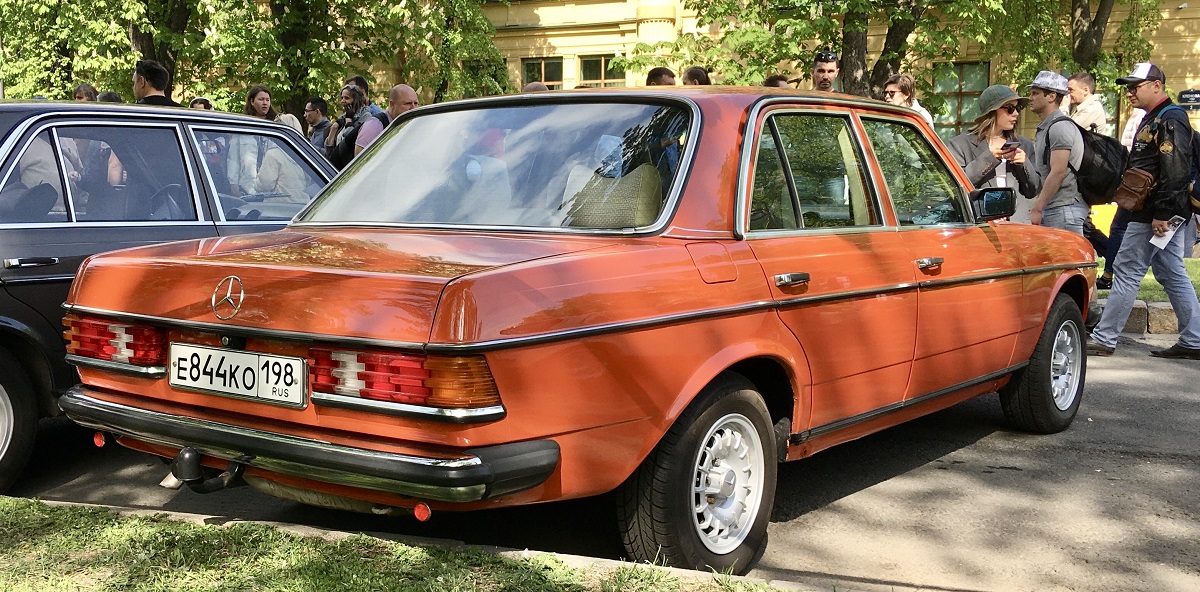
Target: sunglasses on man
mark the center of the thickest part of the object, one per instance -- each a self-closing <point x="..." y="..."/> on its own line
<point x="1131" y="89"/>
<point x="827" y="56"/>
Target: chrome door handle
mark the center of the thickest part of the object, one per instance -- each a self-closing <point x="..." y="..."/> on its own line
<point x="784" y="280"/>
<point x="929" y="262"/>
<point x="29" y="262"/>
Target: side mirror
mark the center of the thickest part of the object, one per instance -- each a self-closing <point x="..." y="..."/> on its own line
<point x="993" y="203"/>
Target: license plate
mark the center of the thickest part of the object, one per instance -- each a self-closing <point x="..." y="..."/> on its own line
<point x="246" y="375"/>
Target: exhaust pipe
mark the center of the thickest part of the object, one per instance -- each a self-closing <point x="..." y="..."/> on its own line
<point x="187" y="470"/>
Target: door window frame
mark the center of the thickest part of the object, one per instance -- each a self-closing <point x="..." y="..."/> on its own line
<point x="761" y="115"/>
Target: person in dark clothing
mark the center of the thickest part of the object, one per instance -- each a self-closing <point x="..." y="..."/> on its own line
<point x="150" y="80"/>
<point x="1162" y="147"/>
<point x="339" y="142"/>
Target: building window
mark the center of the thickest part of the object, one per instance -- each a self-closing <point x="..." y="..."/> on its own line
<point x="598" y="71"/>
<point x="958" y="85"/>
<point x="548" y="71"/>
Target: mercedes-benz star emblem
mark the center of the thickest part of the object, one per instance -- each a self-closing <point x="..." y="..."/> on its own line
<point x="227" y="298"/>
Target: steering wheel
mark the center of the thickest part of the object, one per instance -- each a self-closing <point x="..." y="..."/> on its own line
<point x="168" y="203"/>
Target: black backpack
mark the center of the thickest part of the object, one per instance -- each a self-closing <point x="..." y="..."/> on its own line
<point x="1194" y="188"/>
<point x="1104" y="162"/>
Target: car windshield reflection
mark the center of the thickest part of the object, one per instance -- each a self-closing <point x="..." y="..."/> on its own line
<point x="588" y="166"/>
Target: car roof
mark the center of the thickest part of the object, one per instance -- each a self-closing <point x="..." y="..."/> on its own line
<point x="29" y="109"/>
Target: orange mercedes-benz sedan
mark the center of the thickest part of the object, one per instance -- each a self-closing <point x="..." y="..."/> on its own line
<point x="538" y="297"/>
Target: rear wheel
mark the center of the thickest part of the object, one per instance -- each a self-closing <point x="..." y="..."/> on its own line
<point x="703" y="498"/>
<point x="18" y="421"/>
<point x="1044" y="396"/>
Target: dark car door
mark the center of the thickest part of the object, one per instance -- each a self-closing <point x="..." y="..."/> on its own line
<point x="72" y="188"/>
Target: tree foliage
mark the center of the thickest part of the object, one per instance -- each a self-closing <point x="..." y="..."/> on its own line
<point x="1020" y="37"/>
<point x="219" y="48"/>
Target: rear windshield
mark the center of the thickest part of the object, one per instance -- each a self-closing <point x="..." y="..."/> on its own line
<point x="578" y="165"/>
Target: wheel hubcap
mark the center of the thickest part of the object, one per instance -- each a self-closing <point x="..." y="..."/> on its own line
<point x="1066" y="365"/>
<point x="728" y="483"/>
<point x="7" y="422"/>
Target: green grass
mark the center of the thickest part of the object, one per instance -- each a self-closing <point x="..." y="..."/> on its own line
<point x="53" y="548"/>
<point x="1151" y="290"/>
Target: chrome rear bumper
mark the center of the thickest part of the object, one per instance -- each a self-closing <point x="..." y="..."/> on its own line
<point x="480" y="473"/>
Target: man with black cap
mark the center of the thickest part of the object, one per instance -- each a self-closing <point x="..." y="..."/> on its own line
<point x="1162" y="147"/>
<point x="1058" y="153"/>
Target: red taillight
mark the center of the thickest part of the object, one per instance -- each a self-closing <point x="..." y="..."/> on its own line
<point x="139" y="345"/>
<point x="451" y="382"/>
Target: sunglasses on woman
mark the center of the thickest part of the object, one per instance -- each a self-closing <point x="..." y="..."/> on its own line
<point x="1012" y="109"/>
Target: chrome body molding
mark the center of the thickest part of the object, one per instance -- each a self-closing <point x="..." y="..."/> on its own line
<point x="480" y="473"/>
<point x="123" y="368"/>
<point x="639" y="324"/>
<point x="474" y="415"/>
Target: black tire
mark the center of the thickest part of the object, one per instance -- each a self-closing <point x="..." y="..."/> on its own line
<point x="1044" y="396"/>
<point x="655" y="506"/>
<point x="18" y="421"/>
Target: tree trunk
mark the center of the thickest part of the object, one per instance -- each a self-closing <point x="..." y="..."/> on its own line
<point x="854" y="53"/>
<point x="895" y="45"/>
<point x="169" y="16"/>
<point x="292" y="99"/>
<point x="1087" y="31"/>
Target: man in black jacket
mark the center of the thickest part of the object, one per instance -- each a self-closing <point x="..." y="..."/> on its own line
<point x="150" y="80"/>
<point x="1163" y="148"/>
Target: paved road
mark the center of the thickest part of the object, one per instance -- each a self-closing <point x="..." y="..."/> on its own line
<point x="954" y="501"/>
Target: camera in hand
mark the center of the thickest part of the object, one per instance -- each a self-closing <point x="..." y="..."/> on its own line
<point x="343" y="121"/>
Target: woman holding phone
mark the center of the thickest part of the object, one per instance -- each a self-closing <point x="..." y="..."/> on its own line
<point x="991" y="152"/>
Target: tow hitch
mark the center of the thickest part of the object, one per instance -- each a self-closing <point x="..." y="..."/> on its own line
<point x="187" y="470"/>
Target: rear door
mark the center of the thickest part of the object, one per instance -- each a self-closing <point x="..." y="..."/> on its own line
<point x="839" y="273"/>
<point x="73" y="188"/>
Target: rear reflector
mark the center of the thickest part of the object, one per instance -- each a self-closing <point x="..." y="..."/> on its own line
<point x="100" y="339"/>
<point x="433" y="381"/>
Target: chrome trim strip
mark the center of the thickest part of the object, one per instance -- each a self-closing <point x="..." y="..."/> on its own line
<point x="670" y="204"/>
<point x="45" y="279"/>
<point x="821" y="430"/>
<point x="124" y="368"/>
<point x="474" y="415"/>
<point x="68" y="192"/>
<point x="495" y="344"/>
<point x="971" y="279"/>
<point x="67" y="226"/>
<point x="242" y="331"/>
<point x="172" y="424"/>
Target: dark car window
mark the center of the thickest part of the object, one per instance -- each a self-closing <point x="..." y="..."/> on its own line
<point x="256" y="176"/>
<point x="33" y="190"/>
<point x="771" y="203"/>
<point x="922" y="189"/>
<point x="128" y="174"/>
<point x="581" y="165"/>
<point x="827" y="171"/>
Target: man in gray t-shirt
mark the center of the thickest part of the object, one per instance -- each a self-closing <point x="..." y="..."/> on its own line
<point x="1058" y="153"/>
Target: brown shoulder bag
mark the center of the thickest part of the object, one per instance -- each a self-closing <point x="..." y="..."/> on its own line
<point x="1135" y="186"/>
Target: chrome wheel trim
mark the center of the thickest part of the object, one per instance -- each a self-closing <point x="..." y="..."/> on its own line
<point x="7" y="422"/>
<point x="1066" y="365"/>
<point x="727" y="483"/>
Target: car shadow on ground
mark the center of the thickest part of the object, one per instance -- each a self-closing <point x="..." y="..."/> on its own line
<point x="68" y="467"/>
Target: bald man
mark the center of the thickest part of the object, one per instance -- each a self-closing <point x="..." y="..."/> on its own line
<point x="535" y="86"/>
<point x="401" y="98"/>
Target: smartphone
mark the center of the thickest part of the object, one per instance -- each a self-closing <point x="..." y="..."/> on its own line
<point x="1010" y="145"/>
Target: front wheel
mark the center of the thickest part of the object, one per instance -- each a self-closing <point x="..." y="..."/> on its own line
<point x="18" y="421"/>
<point x="703" y="498"/>
<point x="1044" y="396"/>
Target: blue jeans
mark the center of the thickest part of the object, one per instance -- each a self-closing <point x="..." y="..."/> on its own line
<point x="1115" y="233"/>
<point x="1068" y="217"/>
<point x="1189" y="237"/>
<point x="1133" y="259"/>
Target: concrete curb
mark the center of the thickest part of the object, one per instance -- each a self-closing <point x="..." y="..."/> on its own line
<point x="1153" y="317"/>
<point x="572" y="561"/>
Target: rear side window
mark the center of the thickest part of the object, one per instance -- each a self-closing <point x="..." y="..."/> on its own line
<point x="125" y="173"/>
<point x="810" y="174"/>
<point x="922" y="189"/>
<point x="33" y="190"/>
<point x="256" y="176"/>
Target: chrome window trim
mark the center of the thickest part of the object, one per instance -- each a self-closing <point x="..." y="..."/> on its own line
<point x="592" y="330"/>
<point x="670" y="205"/>
<point x="21" y="153"/>
<point x="123" y="368"/>
<point x="99" y="224"/>
<point x="745" y="183"/>
<point x="68" y="192"/>
<point x="471" y="415"/>
<point x="963" y="194"/>
<point x="84" y="122"/>
<point x="219" y="216"/>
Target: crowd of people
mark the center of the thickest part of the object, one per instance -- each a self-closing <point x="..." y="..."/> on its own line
<point x="1041" y="171"/>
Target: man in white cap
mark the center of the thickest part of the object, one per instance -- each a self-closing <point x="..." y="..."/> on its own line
<point x="1162" y="147"/>
<point x="1058" y="153"/>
